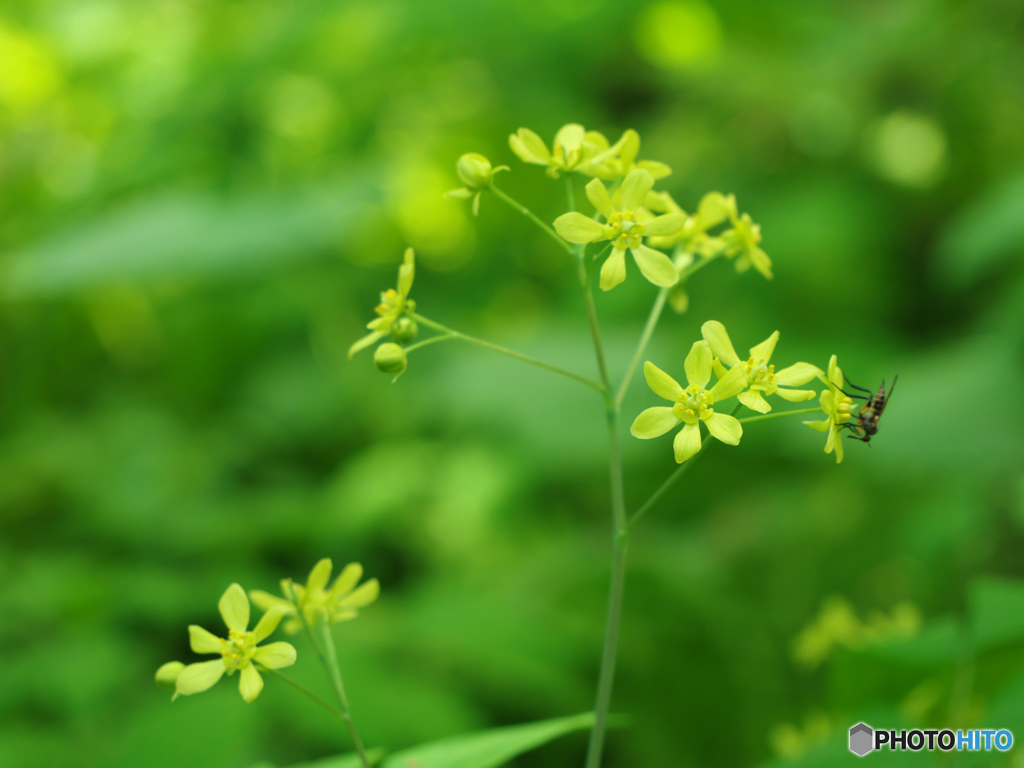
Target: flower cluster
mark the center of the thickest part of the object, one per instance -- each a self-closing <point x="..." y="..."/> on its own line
<point x="588" y="152"/>
<point x="241" y="651"/>
<point x="395" y="317"/>
<point x="750" y="381"/>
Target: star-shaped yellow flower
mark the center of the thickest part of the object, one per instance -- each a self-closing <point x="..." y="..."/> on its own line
<point x="238" y="653"/>
<point x="394" y="306"/>
<point x="761" y="378"/>
<point x="692" y="406"/>
<point x="626" y="231"/>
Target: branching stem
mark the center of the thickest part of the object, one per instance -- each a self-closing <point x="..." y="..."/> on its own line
<point x="448" y="333"/>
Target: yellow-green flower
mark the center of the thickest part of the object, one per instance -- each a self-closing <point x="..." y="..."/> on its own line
<point x="616" y="161"/>
<point x="742" y="240"/>
<point x="339" y="603"/>
<point x="625" y="230"/>
<point x="476" y="173"/>
<point x="838" y="407"/>
<point x="239" y="653"/>
<point x="693" y="237"/>
<point x="394" y="304"/>
<point x="761" y="378"/>
<point x="573" y="146"/>
<point x="691" y="405"/>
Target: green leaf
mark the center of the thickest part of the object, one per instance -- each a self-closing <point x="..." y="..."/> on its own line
<point x="487" y="749"/>
<point x="188" y="235"/>
<point x="997" y="612"/>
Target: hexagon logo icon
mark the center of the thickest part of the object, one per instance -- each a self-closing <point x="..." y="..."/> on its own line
<point x="862" y="739"/>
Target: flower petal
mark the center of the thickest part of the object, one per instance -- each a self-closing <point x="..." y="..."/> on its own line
<point x="320" y="574"/>
<point x="361" y="597"/>
<point x="668" y="224"/>
<point x="725" y="428"/>
<point x="838" y="445"/>
<point x="734" y="382"/>
<point x="698" y="364"/>
<point x="250" y="683"/>
<point x="577" y="228"/>
<point x="795" y="395"/>
<point x="597" y="194"/>
<point x="629" y="147"/>
<point x="234" y="608"/>
<point x="661" y="383"/>
<point x="570" y="136"/>
<point x="764" y="350"/>
<point x="202" y="641"/>
<point x="406" y="273"/>
<point x="819" y="426"/>
<point x="761" y="262"/>
<point x="717" y="337"/>
<point x="268" y="623"/>
<point x="635" y="187"/>
<point x="656" y="169"/>
<point x="347" y="579"/>
<point x="754" y="401"/>
<point x="366" y="341"/>
<point x="797" y="375"/>
<point x="275" y="655"/>
<point x="529" y="147"/>
<point x="715" y="208"/>
<point x="654" y="422"/>
<point x="687" y="442"/>
<point x="196" y="678"/>
<point x="265" y="601"/>
<point x="613" y="271"/>
<point x="655" y="266"/>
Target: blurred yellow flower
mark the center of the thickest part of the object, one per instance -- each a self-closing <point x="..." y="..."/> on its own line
<point x="238" y="652"/>
<point x="394" y="304"/>
<point x="340" y="602"/>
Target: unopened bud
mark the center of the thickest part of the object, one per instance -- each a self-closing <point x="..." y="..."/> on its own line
<point x="167" y="675"/>
<point x="404" y="330"/>
<point x="475" y="171"/>
<point x="390" y="358"/>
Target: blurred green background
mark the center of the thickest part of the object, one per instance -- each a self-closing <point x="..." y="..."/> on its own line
<point x="199" y="202"/>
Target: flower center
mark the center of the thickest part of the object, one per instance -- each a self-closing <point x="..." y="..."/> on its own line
<point x="693" y="404"/>
<point x="844" y="408"/>
<point x="628" y="232"/>
<point x="759" y="372"/>
<point x="237" y="650"/>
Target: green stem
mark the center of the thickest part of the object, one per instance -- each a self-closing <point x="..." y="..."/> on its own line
<point x="620" y="546"/>
<point x="645" y="337"/>
<point x="534" y="218"/>
<point x="679" y="472"/>
<point x="570" y="192"/>
<point x="779" y="415"/>
<point x="300" y="687"/>
<point x="428" y="342"/>
<point x="448" y="332"/>
<point x="330" y="664"/>
<point x="697" y="266"/>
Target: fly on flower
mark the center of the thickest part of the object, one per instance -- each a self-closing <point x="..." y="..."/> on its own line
<point x="395" y="309"/>
<point x="866" y="425"/>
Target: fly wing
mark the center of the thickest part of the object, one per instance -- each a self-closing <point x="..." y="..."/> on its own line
<point x="884" y="398"/>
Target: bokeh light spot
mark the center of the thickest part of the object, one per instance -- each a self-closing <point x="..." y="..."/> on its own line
<point x="909" y="149"/>
<point x="679" y="35"/>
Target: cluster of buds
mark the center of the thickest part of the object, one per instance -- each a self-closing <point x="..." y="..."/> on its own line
<point x="395" y="318"/>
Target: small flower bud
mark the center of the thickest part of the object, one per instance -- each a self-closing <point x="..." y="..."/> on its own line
<point x="167" y="675"/>
<point x="404" y="330"/>
<point x="475" y="171"/>
<point x="390" y="358"/>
